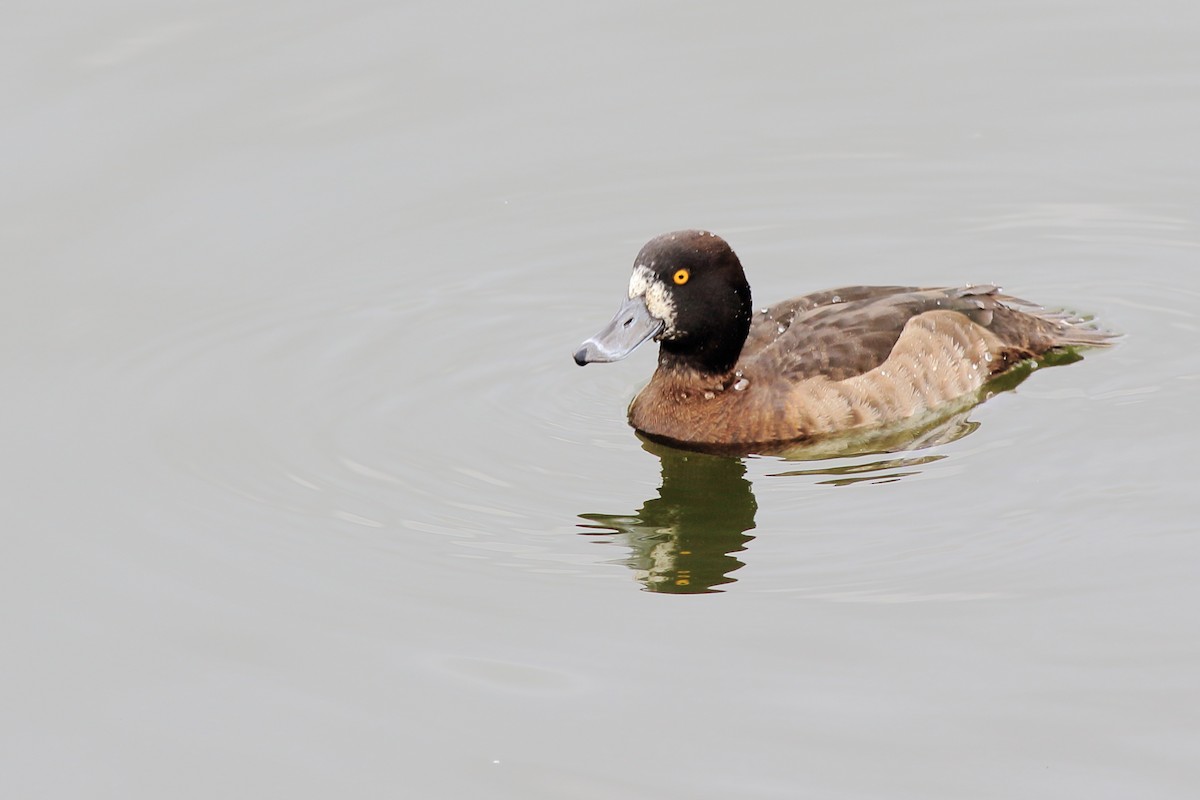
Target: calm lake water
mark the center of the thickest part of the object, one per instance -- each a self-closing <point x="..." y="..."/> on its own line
<point x="304" y="496"/>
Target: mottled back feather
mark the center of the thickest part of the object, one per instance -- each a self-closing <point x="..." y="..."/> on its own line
<point x="846" y="332"/>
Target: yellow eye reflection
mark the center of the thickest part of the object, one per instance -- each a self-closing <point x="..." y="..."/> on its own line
<point x="681" y="277"/>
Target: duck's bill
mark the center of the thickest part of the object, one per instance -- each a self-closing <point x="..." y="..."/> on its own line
<point x="630" y="327"/>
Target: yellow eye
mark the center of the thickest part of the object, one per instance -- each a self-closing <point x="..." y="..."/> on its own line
<point x="681" y="277"/>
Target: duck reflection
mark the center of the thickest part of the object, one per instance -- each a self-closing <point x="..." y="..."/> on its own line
<point x="684" y="539"/>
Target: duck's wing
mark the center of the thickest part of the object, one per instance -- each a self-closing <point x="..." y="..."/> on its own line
<point x="846" y="332"/>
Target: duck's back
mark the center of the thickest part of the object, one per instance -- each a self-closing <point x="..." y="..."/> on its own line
<point x="846" y="332"/>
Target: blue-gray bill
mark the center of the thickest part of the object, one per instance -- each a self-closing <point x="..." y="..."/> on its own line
<point x="629" y="328"/>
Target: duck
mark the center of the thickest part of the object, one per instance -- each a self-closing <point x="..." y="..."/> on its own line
<point x="829" y="363"/>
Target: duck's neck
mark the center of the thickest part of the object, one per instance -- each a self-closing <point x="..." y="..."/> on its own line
<point x="707" y="366"/>
<point x="711" y="350"/>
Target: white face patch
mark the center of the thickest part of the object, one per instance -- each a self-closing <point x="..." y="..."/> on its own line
<point x="646" y="285"/>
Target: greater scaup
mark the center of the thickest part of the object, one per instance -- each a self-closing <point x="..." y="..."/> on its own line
<point x="826" y="363"/>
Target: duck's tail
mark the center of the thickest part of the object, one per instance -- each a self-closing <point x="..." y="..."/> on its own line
<point x="1029" y="327"/>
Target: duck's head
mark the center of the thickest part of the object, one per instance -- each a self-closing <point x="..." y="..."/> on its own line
<point x="687" y="292"/>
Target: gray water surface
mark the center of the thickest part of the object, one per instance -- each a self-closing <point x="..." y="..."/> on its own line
<point x="305" y="497"/>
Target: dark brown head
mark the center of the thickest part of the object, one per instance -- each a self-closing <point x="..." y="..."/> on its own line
<point x="689" y="293"/>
